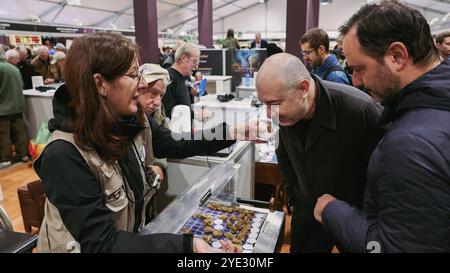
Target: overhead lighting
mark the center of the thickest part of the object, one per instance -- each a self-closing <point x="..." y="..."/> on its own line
<point x="325" y="2"/>
<point x="262" y="1"/>
<point x="74" y="2"/>
<point x="433" y="21"/>
<point x="34" y="18"/>
<point x="77" y="22"/>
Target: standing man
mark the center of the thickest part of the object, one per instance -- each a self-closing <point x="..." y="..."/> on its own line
<point x="26" y="68"/>
<point x="443" y="45"/>
<point x="407" y="202"/>
<point x="42" y="64"/>
<point x="258" y="42"/>
<point x="314" y="45"/>
<point x="186" y="59"/>
<point x="327" y="133"/>
<point x="12" y="106"/>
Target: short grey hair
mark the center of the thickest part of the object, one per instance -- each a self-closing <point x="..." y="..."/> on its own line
<point x="186" y="49"/>
<point x="22" y="49"/>
<point x="12" y="53"/>
<point x="292" y="72"/>
<point x="43" y="48"/>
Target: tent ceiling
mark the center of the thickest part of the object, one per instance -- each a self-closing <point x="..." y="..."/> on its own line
<point x="176" y="15"/>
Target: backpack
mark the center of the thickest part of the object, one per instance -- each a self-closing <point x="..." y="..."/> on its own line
<point x="338" y="68"/>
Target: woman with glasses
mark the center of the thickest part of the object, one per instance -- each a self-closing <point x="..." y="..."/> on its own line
<point x="97" y="167"/>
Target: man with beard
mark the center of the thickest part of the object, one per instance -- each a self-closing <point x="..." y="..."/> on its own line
<point x="443" y="45"/>
<point x="407" y="200"/>
<point x="327" y="134"/>
<point x="314" y="46"/>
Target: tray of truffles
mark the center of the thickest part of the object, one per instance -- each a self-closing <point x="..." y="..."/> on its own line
<point x="214" y="222"/>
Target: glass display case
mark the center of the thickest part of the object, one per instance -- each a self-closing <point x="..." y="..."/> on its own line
<point x="208" y="210"/>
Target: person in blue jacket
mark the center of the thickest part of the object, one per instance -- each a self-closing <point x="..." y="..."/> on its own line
<point x="407" y="199"/>
<point x="314" y="45"/>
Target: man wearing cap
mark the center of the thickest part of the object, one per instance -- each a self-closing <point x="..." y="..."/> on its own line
<point x="57" y="66"/>
<point x="60" y="48"/>
<point x="163" y="142"/>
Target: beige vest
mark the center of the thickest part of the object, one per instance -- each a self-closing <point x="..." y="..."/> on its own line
<point x="54" y="236"/>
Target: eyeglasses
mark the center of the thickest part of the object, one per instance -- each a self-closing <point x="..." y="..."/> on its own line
<point x="306" y="53"/>
<point x="195" y="61"/>
<point x="137" y="76"/>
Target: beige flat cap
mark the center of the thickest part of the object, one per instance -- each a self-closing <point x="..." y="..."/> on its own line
<point x="154" y="72"/>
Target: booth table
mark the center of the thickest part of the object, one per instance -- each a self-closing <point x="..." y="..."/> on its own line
<point x="39" y="109"/>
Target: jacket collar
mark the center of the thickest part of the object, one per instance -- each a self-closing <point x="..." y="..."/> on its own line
<point x="324" y="115"/>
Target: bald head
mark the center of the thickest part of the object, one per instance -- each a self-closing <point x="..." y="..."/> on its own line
<point x="284" y="83"/>
<point x="284" y="67"/>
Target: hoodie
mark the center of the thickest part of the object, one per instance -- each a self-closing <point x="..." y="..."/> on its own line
<point x="407" y="199"/>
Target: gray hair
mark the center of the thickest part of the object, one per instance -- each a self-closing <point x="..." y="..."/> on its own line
<point x="22" y="49"/>
<point x="292" y="71"/>
<point x="186" y="49"/>
<point x="12" y="53"/>
<point x="43" y="48"/>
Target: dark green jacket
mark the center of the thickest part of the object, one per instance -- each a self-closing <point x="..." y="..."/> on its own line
<point x="12" y="100"/>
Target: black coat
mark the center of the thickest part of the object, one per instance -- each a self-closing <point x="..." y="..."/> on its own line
<point x="27" y="70"/>
<point x="407" y="202"/>
<point x="339" y="142"/>
<point x="264" y="44"/>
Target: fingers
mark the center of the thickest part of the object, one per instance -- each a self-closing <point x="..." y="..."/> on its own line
<point x="229" y="247"/>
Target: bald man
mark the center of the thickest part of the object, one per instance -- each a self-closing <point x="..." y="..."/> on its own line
<point x="327" y="134"/>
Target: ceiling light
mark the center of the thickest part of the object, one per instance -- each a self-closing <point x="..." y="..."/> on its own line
<point x="74" y="2"/>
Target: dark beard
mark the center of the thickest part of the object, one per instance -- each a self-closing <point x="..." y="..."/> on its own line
<point x="388" y="85"/>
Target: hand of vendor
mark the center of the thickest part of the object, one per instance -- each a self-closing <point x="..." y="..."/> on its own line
<point x="194" y="91"/>
<point x="159" y="170"/>
<point x="322" y="202"/>
<point x="203" y="115"/>
<point x="49" y="81"/>
<point x="200" y="246"/>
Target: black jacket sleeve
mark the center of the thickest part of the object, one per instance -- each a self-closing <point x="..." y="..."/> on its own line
<point x="74" y="190"/>
<point x="412" y="204"/>
<point x="165" y="145"/>
<point x="170" y="98"/>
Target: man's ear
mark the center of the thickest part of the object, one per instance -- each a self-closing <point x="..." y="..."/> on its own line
<point x="397" y="56"/>
<point x="303" y="88"/>
<point x="100" y="84"/>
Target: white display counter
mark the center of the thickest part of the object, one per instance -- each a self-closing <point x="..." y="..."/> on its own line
<point x="39" y="109"/>
<point x="245" y="91"/>
<point x="184" y="172"/>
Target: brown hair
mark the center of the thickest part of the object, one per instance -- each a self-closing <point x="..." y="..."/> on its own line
<point x="441" y="37"/>
<point x="316" y="37"/>
<point x="95" y="123"/>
